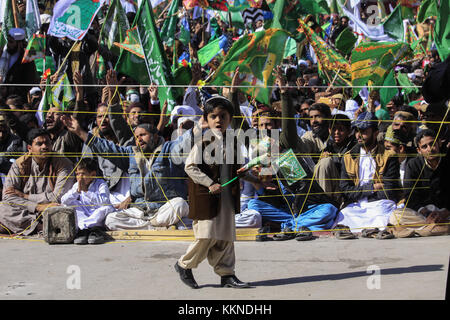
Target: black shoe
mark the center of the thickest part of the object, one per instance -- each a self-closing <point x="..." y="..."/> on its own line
<point x="261" y="234"/>
<point x="96" y="237"/>
<point x="304" y="234"/>
<point x="285" y="234"/>
<point x="233" y="282"/>
<point x="186" y="276"/>
<point x="81" y="237"/>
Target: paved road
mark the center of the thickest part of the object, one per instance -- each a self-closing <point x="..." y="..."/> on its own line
<point x="324" y="268"/>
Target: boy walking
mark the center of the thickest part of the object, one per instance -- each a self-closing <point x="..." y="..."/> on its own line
<point x="212" y="206"/>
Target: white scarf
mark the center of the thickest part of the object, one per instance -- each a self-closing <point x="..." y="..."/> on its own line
<point x="4" y="64"/>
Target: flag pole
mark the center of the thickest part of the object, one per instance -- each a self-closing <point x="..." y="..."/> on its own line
<point x="14" y="8"/>
<point x="65" y="58"/>
<point x="165" y="9"/>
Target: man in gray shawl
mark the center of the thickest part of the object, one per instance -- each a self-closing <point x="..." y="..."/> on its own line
<point x="36" y="181"/>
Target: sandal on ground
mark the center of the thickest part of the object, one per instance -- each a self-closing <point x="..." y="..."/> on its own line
<point x="384" y="235"/>
<point x="370" y="233"/>
<point x="304" y="234"/>
<point x="286" y="234"/>
<point x="344" y="233"/>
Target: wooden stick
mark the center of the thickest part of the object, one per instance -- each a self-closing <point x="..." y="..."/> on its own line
<point x="65" y="58"/>
<point x="14" y="8"/>
<point x="165" y="9"/>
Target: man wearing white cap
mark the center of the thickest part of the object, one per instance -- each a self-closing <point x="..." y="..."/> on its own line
<point x="12" y="70"/>
<point x="183" y="117"/>
<point x="34" y="96"/>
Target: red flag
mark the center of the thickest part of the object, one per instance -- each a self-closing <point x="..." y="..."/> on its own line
<point x="46" y="73"/>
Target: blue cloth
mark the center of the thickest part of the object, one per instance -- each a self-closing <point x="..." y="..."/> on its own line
<point x="269" y="212"/>
<point x="318" y="217"/>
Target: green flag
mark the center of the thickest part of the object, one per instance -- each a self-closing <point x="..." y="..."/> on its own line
<point x="386" y="94"/>
<point x="132" y="43"/>
<point x="49" y="64"/>
<point x="170" y="24"/>
<point x="428" y="8"/>
<point x="331" y="64"/>
<point x="7" y="23"/>
<point x="208" y="52"/>
<point x="372" y="61"/>
<point x="115" y="26"/>
<point x="290" y="48"/>
<point x="286" y="14"/>
<point x="393" y="25"/>
<point x="133" y="66"/>
<point x="442" y="35"/>
<point x="35" y="48"/>
<point x="289" y="167"/>
<point x="62" y="93"/>
<point x="45" y="103"/>
<point x="185" y="33"/>
<point x="155" y="57"/>
<point x="345" y="41"/>
<point x="256" y="55"/>
<point x="404" y="81"/>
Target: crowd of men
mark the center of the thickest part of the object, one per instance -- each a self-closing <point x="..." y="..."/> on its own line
<point x="375" y="170"/>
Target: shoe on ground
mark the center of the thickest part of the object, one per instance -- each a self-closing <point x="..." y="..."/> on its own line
<point x="262" y="236"/>
<point x="285" y="234"/>
<point x="233" y="282"/>
<point x="81" y="237"/>
<point x="186" y="276"/>
<point x="304" y="234"/>
<point x="96" y="237"/>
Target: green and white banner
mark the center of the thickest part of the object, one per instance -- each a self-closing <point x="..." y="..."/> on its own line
<point x="73" y="18"/>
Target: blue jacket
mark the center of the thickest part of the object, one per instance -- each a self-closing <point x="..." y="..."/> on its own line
<point x="164" y="180"/>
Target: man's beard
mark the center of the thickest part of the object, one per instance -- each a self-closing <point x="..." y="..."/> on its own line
<point x="321" y="131"/>
<point x="149" y="147"/>
<point x="107" y="131"/>
<point x="57" y="126"/>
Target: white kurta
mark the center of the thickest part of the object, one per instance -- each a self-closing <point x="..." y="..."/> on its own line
<point x="364" y="214"/>
<point x="91" y="207"/>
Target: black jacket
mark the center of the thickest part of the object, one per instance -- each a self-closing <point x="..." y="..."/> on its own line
<point x="428" y="186"/>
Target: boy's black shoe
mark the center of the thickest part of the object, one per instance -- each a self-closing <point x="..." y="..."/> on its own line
<point x="186" y="276"/>
<point x="81" y="237"/>
<point x="233" y="282"/>
<point x="96" y="237"/>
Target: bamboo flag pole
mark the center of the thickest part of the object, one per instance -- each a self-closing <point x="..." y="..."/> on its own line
<point x="16" y="18"/>
<point x="66" y="57"/>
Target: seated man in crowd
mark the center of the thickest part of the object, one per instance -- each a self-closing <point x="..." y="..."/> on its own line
<point x="369" y="179"/>
<point x="341" y="139"/>
<point x="315" y="211"/>
<point x="11" y="147"/>
<point x="397" y="141"/>
<point x="157" y="201"/>
<point x="313" y="143"/>
<point x="434" y="119"/>
<point x="117" y="178"/>
<point x="35" y="182"/>
<point x="426" y="195"/>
